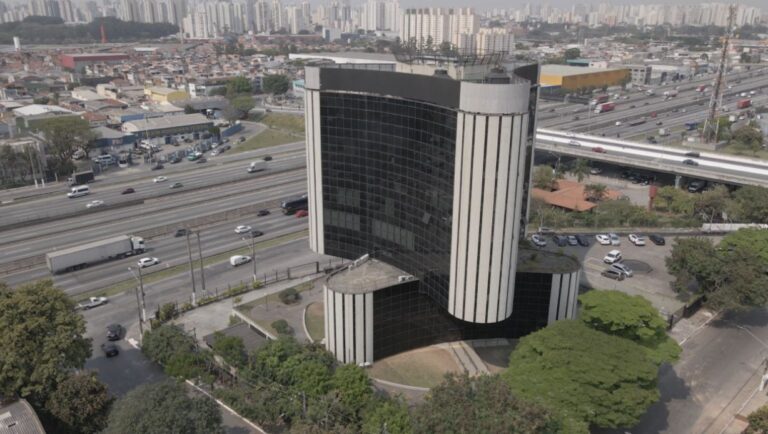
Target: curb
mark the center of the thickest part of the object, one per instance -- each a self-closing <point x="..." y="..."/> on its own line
<point x="401" y="386"/>
<point x="304" y="323"/>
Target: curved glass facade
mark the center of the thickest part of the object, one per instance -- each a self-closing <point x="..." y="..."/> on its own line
<point x="387" y="174"/>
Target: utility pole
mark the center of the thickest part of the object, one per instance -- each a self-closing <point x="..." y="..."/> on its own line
<point x="712" y="125"/>
<point x="191" y="272"/>
<point x="253" y="255"/>
<point x="202" y="267"/>
<point x="143" y="303"/>
<point x="138" y="307"/>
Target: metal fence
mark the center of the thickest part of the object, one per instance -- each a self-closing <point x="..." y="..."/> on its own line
<point x="685" y="312"/>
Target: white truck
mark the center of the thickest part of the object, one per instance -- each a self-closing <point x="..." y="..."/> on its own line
<point x="75" y="258"/>
<point x="670" y="93"/>
<point x="663" y="132"/>
<point x="257" y="166"/>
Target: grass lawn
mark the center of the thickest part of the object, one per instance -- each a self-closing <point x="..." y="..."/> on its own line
<point x="266" y="139"/>
<point x="246" y="308"/>
<point x="284" y="121"/>
<point x="424" y="367"/>
<point x="496" y="358"/>
<point x="160" y="274"/>
<point x="315" y="321"/>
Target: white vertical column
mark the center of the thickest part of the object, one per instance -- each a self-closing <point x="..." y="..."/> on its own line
<point x="554" y="297"/>
<point x="360" y="324"/>
<point x="369" y="327"/>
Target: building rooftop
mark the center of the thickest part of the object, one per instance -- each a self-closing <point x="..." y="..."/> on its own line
<point x="39" y="109"/>
<point x="368" y="276"/>
<point x="166" y="122"/>
<point x="565" y="70"/>
<point x="347" y="57"/>
<point x="19" y="418"/>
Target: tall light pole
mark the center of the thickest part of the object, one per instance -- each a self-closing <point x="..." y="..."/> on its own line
<point x="253" y="255"/>
<point x="191" y="272"/>
<point x="140" y="304"/>
<point x="202" y="267"/>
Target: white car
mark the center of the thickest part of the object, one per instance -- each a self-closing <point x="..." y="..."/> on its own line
<point x="148" y="262"/>
<point x="573" y="143"/>
<point x="615" y="240"/>
<point x="603" y="239"/>
<point x="242" y="229"/>
<point x="94" y="204"/>
<point x="239" y="260"/>
<point x="160" y="179"/>
<point x="538" y="240"/>
<point x="612" y="257"/>
<point x="618" y="123"/>
<point x="637" y="240"/>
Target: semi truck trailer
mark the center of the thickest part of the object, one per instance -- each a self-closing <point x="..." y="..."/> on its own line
<point x="77" y="257"/>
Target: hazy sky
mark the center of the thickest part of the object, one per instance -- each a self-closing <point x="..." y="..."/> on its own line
<point x="483" y="4"/>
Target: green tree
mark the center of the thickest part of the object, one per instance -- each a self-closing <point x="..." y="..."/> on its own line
<point x="237" y="86"/>
<point x="588" y="377"/>
<point x="80" y="404"/>
<point x="748" y="137"/>
<point x="386" y="415"/>
<point x="218" y="91"/>
<point x="163" y="342"/>
<point x="747" y="238"/>
<point x="595" y="192"/>
<point x="41" y="339"/>
<point x="675" y="200"/>
<point x="694" y="261"/>
<point x="480" y="404"/>
<point x="64" y="136"/>
<point x="758" y="421"/>
<point x="243" y="104"/>
<point x="711" y="204"/>
<point x="277" y="84"/>
<point x="161" y="408"/>
<point x="572" y="53"/>
<point x="749" y="205"/>
<point x="629" y="317"/>
<point x="231" y="348"/>
<point x="580" y="169"/>
<point x="545" y="178"/>
<point x="353" y="385"/>
<point x="188" y="109"/>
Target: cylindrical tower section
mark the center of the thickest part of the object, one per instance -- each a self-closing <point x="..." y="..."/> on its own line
<point x="349" y="325"/>
<point x="492" y="135"/>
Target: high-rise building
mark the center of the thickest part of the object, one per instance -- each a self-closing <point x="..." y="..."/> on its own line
<point x="294" y="17"/>
<point x="423" y="178"/>
<point x="437" y="25"/>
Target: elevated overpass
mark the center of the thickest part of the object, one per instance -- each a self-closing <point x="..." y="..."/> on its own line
<point x="709" y="166"/>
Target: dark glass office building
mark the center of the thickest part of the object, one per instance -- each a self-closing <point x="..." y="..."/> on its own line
<point x="425" y="169"/>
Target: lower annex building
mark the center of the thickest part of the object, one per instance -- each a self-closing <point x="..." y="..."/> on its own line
<point x="421" y="172"/>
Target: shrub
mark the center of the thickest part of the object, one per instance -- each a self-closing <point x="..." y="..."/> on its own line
<point x="282" y="327"/>
<point x="167" y="312"/>
<point x="289" y="296"/>
<point x="258" y="284"/>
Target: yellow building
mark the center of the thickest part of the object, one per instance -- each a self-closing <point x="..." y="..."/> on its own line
<point x="165" y="94"/>
<point x="578" y="77"/>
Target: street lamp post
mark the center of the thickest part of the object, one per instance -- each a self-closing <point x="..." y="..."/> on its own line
<point x="191" y="272"/>
<point x="253" y="255"/>
<point x="202" y="267"/>
<point x="140" y="304"/>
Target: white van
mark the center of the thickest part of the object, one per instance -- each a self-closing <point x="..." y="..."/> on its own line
<point x="239" y="260"/>
<point x="105" y="160"/>
<point x="79" y="190"/>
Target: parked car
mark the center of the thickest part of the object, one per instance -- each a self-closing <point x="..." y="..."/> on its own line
<point x="239" y="260"/>
<point x="543" y="230"/>
<point x="148" y="262"/>
<point x="612" y="257"/>
<point x="302" y="213"/>
<point x="114" y="332"/>
<point x="128" y="190"/>
<point x="242" y="229"/>
<point x="160" y="179"/>
<point x="181" y="232"/>
<point x="572" y="241"/>
<point x="692" y="154"/>
<point x="110" y="349"/>
<point x="201" y="160"/>
<point x="637" y="240"/>
<point x="582" y="240"/>
<point x="94" y="204"/>
<point x="621" y="268"/>
<point x="615" y="240"/>
<point x="595" y="171"/>
<point x="538" y="240"/>
<point x="241" y="139"/>
<point x="612" y="274"/>
<point x="262" y="212"/>
<point x="560" y="240"/>
<point x="657" y="239"/>
<point x="603" y="239"/>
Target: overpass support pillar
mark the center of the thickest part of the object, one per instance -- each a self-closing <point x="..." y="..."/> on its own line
<point x="678" y="180"/>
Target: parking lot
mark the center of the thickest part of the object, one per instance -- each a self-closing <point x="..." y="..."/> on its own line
<point x="650" y="277"/>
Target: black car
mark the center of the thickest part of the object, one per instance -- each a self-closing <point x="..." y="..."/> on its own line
<point x="201" y="160"/>
<point x="560" y="240"/>
<point x="114" y="332"/>
<point x="255" y="233"/>
<point x="690" y="162"/>
<point x="262" y="212"/>
<point x="181" y="232"/>
<point x="129" y="191"/>
<point x="657" y="239"/>
<point x="157" y="166"/>
<point x="582" y="240"/>
<point x="267" y="158"/>
<point x="110" y="350"/>
<point x="612" y="274"/>
<point x="692" y="154"/>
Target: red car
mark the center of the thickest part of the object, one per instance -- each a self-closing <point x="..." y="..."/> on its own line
<point x="302" y="213"/>
<point x="599" y="150"/>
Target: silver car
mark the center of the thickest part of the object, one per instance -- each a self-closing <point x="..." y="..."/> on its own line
<point x="621" y="268"/>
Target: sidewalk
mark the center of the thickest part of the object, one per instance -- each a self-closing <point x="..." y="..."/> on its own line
<point x="688" y="327"/>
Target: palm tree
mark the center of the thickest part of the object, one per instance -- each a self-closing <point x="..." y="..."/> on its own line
<point x="595" y="192"/>
<point x="580" y="169"/>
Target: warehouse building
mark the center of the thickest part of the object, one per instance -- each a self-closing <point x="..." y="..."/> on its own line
<point x="78" y="62"/>
<point x="166" y="129"/>
<point x="575" y="78"/>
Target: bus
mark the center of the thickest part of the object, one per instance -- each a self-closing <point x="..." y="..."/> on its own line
<point x="290" y="206"/>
